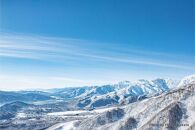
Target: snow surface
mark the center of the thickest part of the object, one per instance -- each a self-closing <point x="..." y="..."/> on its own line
<point x="63" y="126"/>
<point x="79" y="112"/>
<point x="187" y="80"/>
<point x="21" y="115"/>
<point x="69" y="113"/>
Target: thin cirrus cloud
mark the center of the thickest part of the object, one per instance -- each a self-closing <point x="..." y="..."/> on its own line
<point x="56" y="49"/>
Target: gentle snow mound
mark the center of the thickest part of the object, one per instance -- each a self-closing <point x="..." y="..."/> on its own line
<point x="187" y="80"/>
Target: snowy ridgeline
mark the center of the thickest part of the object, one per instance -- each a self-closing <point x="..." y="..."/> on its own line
<point x="171" y="110"/>
<point x="95" y="96"/>
<point x="141" y="105"/>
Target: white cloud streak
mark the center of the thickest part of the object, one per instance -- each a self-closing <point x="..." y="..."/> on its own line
<point x="58" y="49"/>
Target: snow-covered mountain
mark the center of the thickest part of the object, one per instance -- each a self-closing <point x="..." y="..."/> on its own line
<point x="95" y="96"/>
<point x="172" y="110"/>
<point x="122" y="93"/>
<point x="26" y="96"/>
<point x="187" y="80"/>
<point x="143" y="105"/>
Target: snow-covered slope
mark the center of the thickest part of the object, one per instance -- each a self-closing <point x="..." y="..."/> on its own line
<point x="173" y="110"/>
<point x="141" y="105"/>
<point x="122" y="93"/>
<point x="187" y="80"/>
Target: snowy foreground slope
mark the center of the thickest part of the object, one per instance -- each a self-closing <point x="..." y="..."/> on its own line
<point x="172" y="110"/>
<point x="142" y="105"/>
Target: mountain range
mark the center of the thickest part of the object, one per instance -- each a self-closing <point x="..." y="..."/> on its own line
<point x="143" y="104"/>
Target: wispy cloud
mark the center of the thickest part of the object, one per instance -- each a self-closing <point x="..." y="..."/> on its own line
<point x="58" y="49"/>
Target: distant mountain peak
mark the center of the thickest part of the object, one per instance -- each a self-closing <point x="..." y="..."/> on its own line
<point x="124" y="82"/>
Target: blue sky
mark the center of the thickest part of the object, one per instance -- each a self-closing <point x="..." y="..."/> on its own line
<point x="47" y="43"/>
